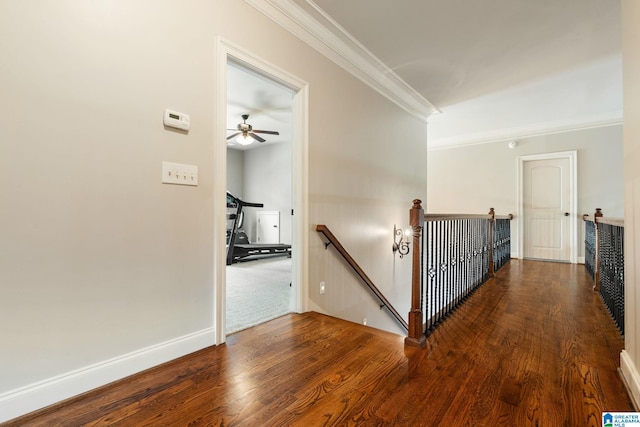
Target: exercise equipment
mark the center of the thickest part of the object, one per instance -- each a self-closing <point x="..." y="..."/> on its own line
<point x="238" y="246"/>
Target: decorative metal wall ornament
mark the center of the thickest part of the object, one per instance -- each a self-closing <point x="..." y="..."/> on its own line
<point x="400" y="241"/>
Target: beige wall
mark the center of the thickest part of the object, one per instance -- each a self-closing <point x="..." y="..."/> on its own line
<point x="475" y="178"/>
<point x="97" y="258"/>
<point x="104" y="271"/>
<point x="630" y="358"/>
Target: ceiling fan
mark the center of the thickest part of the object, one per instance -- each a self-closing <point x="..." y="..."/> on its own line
<point x="247" y="134"/>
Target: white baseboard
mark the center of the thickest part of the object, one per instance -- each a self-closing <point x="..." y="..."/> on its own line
<point x="44" y="393"/>
<point x="631" y="377"/>
<point x="580" y="260"/>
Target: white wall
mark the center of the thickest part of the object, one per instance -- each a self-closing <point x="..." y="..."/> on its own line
<point x="364" y="175"/>
<point x="263" y="175"/>
<point x="630" y="358"/>
<point x="104" y="270"/>
<point x="475" y="178"/>
<point x="267" y="180"/>
<point x="235" y="172"/>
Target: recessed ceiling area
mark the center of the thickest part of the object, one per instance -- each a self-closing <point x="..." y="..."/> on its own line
<point x="267" y="103"/>
<point x="495" y="69"/>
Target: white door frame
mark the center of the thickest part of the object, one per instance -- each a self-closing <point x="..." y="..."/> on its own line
<point x="573" y="208"/>
<point x="227" y="51"/>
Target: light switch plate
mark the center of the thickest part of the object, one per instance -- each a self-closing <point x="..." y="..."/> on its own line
<point x="177" y="173"/>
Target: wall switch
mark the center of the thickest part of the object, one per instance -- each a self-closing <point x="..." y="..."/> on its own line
<point x="176" y="173"/>
<point x="322" y="287"/>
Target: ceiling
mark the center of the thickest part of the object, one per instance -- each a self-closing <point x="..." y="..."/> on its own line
<point x="268" y="104"/>
<point x="494" y="69"/>
<point x="456" y="50"/>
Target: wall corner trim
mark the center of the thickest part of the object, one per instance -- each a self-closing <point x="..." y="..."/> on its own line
<point x="318" y="30"/>
<point x="21" y="401"/>
<point x="630" y="377"/>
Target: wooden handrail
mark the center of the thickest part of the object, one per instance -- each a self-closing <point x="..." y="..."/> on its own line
<point x="618" y="222"/>
<point x="439" y="217"/>
<point x="323" y="229"/>
<point x="509" y="217"/>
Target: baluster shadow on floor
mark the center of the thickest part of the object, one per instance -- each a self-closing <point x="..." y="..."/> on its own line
<point x="534" y="346"/>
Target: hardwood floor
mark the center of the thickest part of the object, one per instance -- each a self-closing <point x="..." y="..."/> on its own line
<point x="533" y="347"/>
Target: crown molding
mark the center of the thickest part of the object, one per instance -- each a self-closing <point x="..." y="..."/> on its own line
<point x="318" y="30"/>
<point x="538" y="129"/>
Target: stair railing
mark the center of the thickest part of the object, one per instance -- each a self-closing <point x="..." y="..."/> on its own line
<point x="384" y="303"/>
<point x="604" y="261"/>
<point x="453" y="255"/>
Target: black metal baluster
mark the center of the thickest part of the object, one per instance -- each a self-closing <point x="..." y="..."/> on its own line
<point x="443" y="243"/>
<point x="620" y="276"/>
<point x="590" y="248"/>
<point x="423" y="278"/>
<point x="456" y="261"/>
<point x="430" y="249"/>
<point x="452" y="265"/>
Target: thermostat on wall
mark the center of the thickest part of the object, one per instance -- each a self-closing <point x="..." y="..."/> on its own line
<point x="176" y="120"/>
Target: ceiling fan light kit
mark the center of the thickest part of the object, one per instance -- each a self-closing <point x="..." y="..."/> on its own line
<point x="246" y="134"/>
<point x="243" y="139"/>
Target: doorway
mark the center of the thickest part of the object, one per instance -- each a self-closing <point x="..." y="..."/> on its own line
<point x="259" y="201"/>
<point x="298" y="162"/>
<point x="548" y="207"/>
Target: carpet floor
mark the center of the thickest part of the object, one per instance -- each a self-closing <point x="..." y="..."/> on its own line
<point x="258" y="291"/>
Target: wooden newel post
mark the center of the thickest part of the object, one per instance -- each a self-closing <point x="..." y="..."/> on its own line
<point x="596" y="274"/>
<point x="416" y="335"/>
<point x="492" y="224"/>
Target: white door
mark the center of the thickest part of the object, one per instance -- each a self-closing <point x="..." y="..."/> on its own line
<point x="547" y="204"/>
<point x="268" y="227"/>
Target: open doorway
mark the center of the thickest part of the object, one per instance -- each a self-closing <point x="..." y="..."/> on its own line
<point x="228" y="52"/>
<point x="259" y="199"/>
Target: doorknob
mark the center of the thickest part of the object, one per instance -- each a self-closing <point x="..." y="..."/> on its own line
<point x="566" y="214"/>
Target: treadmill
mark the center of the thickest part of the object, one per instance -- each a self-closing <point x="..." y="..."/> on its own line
<point x="238" y="246"/>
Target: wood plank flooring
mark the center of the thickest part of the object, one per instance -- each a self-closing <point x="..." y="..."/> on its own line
<point x="532" y="347"/>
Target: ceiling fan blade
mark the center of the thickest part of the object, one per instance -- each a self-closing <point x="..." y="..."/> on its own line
<point x="233" y="135"/>
<point x="256" y="137"/>
<point x="271" y="132"/>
